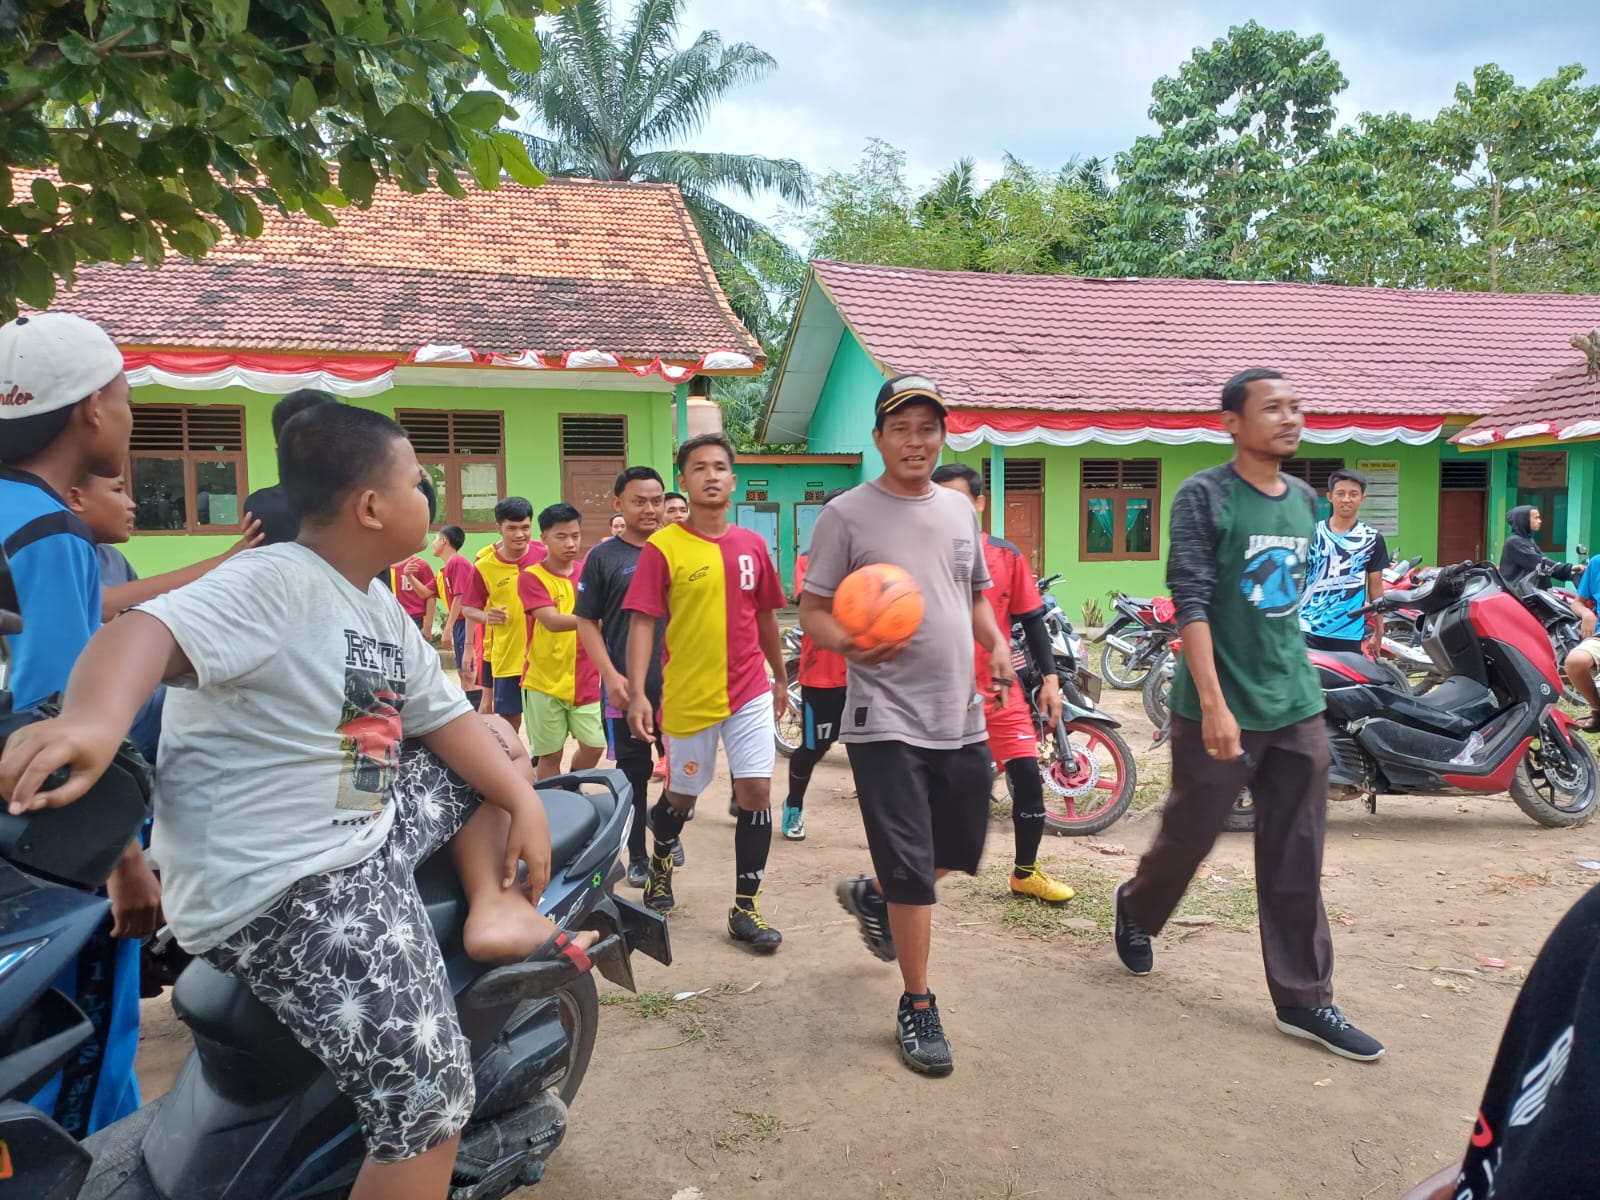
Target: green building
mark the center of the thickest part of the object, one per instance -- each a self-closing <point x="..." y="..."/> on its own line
<point x="532" y="341"/>
<point x="1088" y="401"/>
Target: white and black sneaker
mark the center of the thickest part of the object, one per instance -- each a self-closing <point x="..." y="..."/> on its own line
<point x="1329" y="1027"/>
<point x="1133" y="943"/>
<point x="866" y="904"/>
<point x="922" y="1041"/>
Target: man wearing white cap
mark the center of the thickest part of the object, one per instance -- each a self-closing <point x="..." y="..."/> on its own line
<point x="64" y="414"/>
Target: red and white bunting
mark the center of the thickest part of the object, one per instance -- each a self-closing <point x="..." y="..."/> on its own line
<point x="969" y="429"/>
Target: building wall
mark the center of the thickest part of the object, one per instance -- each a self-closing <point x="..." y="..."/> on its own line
<point x="786" y="485"/>
<point x="1063" y="522"/>
<point x="842" y="422"/>
<point x="532" y="445"/>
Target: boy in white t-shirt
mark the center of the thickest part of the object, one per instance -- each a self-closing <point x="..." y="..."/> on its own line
<point x="295" y="801"/>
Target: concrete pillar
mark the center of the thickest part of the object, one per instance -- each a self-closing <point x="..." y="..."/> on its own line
<point x="997" y="490"/>
<point x="680" y="405"/>
<point x="1500" y="490"/>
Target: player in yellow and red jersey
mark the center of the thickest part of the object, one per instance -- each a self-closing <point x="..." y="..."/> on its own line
<point x="822" y="688"/>
<point x="1013" y="740"/>
<point x="716" y="586"/>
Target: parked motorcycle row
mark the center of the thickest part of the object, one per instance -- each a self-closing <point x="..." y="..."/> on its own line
<point x="1463" y="699"/>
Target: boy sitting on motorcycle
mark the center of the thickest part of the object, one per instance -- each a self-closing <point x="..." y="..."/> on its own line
<point x="312" y="757"/>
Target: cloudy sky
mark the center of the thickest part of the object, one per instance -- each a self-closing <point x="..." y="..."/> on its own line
<point x="1050" y="79"/>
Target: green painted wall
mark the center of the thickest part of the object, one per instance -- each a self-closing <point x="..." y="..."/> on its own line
<point x="532" y="442"/>
<point x="786" y="485"/>
<point x="1419" y="518"/>
<point x="1578" y="511"/>
<point x="842" y="422"/>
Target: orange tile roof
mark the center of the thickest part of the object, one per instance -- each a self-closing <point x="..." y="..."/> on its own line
<point x="573" y="264"/>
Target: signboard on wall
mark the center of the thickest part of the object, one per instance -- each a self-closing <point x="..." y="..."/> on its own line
<point x="1541" y="469"/>
<point x="1381" y="508"/>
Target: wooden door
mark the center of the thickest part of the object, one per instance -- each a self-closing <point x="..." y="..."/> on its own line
<point x="1025" y="525"/>
<point x="593" y="453"/>
<point x="1461" y="526"/>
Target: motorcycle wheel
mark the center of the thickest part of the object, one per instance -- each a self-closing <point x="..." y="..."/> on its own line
<point x="1089" y="790"/>
<point x="1241" y="817"/>
<point x="791" y="731"/>
<point x="1114" y="666"/>
<point x="1419" y="678"/>
<point x="1157" y="689"/>
<point x="1555" y="781"/>
<point x="578" y="1006"/>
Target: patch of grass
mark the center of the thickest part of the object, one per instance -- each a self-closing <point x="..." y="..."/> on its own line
<point x="1148" y="795"/>
<point x="753" y="1129"/>
<point x="649" y="1005"/>
<point x="999" y="805"/>
<point x="1231" y="899"/>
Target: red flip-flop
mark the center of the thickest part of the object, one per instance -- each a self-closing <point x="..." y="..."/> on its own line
<point x="564" y="947"/>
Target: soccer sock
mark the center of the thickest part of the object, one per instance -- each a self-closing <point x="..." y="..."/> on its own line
<point x="1027" y="811"/>
<point x="667" y="825"/>
<point x="638" y="773"/>
<point x="800" y="764"/>
<point x="752" y="842"/>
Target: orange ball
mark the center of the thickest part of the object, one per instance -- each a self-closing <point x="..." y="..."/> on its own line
<point x="878" y="603"/>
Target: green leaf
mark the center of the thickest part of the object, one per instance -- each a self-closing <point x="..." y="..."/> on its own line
<point x="514" y="157"/>
<point x="170" y="209"/>
<point x="231" y="16"/>
<point x="342" y="12"/>
<point x="46" y="196"/>
<point x="122" y="138"/>
<point x="76" y="48"/>
<point x="404" y="123"/>
<point x="32" y="280"/>
<point x="358" y="179"/>
<point x="302" y="101"/>
<point x="483" y="155"/>
<point x="517" y="41"/>
<point x="448" y="183"/>
<point x="479" y="110"/>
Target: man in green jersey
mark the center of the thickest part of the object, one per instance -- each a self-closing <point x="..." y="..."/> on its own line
<point x="1247" y="711"/>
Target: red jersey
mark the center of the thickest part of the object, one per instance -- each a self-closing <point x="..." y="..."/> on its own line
<point x="712" y="589"/>
<point x="455" y="578"/>
<point x="1013" y="594"/>
<point x="412" y="601"/>
<point x="819" y="668"/>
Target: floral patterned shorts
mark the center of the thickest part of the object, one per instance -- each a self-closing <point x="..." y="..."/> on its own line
<point x="349" y="963"/>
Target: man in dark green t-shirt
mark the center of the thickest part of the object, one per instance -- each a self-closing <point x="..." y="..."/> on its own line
<point x="1247" y="711"/>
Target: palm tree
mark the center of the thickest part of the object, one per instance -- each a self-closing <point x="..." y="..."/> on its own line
<point x="617" y="104"/>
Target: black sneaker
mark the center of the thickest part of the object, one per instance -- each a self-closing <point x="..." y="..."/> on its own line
<point x="865" y="903"/>
<point x="1329" y="1027"/>
<point x="638" y="873"/>
<point x="658" y="885"/>
<point x="1133" y="943"/>
<point x="677" y="853"/>
<point x="922" y="1041"/>
<point x="748" y="926"/>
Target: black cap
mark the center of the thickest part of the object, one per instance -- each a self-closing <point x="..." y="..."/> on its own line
<point x="908" y="389"/>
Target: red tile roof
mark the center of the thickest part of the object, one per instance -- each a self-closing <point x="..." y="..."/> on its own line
<point x="1067" y="343"/>
<point x="1559" y="402"/>
<point x="574" y="264"/>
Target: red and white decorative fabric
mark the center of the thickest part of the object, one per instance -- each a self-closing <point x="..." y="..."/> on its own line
<point x="968" y="429"/>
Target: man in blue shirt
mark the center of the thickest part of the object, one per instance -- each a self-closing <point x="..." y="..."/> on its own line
<point x="64" y="413"/>
<point x="1345" y="572"/>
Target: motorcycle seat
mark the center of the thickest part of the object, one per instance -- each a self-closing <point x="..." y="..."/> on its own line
<point x="221" y="1008"/>
<point x="1350" y="668"/>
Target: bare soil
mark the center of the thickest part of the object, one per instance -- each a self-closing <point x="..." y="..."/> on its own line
<point x="779" y="1076"/>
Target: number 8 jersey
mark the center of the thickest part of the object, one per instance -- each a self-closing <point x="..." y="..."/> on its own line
<point x="709" y="591"/>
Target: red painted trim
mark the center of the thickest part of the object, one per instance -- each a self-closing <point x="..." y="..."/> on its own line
<point x="1320" y="659"/>
<point x="1499" y="781"/>
<point x="1018" y="421"/>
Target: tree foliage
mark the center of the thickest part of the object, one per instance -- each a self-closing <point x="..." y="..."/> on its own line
<point x="618" y="102"/>
<point x="131" y="128"/>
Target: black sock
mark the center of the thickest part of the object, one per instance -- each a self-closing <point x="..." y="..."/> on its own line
<point x="752" y="842"/>
<point x="800" y="764"/>
<point x="1027" y="811"/>
<point x="638" y="774"/>
<point x="667" y="825"/>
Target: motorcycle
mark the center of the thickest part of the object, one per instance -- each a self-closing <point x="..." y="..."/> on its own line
<point x="790" y="732"/>
<point x="1492" y="725"/>
<point x="1136" y="639"/>
<point x="252" y="1114"/>
<point x="1086" y="767"/>
<point x="1540" y="597"/>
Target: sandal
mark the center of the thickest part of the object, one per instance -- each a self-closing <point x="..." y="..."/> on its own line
<point x="563" y="947"/>
<point x="1591" y="723"/>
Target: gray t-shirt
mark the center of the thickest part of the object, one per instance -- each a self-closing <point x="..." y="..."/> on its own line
<point x="923" y="697"/>
<point x="278" y="758"/>
<point x="115" y="569"/>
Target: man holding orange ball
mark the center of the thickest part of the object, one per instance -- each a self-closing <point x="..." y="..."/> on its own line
<point x="913" y="727"/>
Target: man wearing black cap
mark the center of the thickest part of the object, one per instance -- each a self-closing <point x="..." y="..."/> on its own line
<point x="912" y="726"/>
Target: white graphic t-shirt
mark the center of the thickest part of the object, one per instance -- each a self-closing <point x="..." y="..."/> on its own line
<point x="278" y="758"/>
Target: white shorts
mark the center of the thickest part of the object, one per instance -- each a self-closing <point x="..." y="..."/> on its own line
<point x="749" y="739"/>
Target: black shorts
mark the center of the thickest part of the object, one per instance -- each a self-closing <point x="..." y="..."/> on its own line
<point x="924" y="811"/>
<point x="823" y="709"/>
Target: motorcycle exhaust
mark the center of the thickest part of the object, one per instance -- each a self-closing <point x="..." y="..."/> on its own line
<point x="1119" y="643"/>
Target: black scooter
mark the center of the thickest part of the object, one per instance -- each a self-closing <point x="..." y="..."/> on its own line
<point x="253" y="1115"/>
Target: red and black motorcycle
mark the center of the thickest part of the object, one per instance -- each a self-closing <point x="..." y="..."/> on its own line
<point x="1491" y="725"/>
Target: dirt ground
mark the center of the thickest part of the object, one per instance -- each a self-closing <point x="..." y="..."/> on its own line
<point x="779" y="1076"/>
